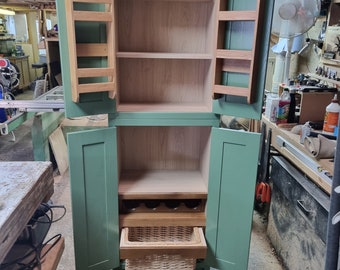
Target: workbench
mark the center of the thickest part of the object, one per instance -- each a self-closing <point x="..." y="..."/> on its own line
<point x="24" y="186"/>
<point x="300" y="201"/>
<point x="319" y="171"/>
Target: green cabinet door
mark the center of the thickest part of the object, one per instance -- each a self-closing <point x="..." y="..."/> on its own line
<point x="232" y="179"/>
<point x="94" y="189"/>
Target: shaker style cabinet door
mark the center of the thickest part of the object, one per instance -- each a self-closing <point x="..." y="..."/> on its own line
<point x="233" y="167"/>
<point x="93" y="174"/>
<point x="88" y="55"/>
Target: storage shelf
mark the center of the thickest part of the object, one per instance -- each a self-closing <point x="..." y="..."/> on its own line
<point x="323" y="79"/>
<point x="156" y="55"/>
<point x="162" y="184"/>
<point x="162" y="107"/>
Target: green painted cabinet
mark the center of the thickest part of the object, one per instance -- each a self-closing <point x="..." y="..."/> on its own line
<point x="153" y="67"/>
<point x="233" y="165"/>
<point x="93" y="174"/>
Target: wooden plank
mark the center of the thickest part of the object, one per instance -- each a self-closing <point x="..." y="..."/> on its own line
<point x="234" y="54"/>
<point x="162" y="219"/>
<point x="94" y="1"/>
<point x="92" y="49"/>
<point x="24" y="185"/>
<point x="52" y="258"/>
<point x="59" y="148"/>
<point x="248" y="15"/>
<point x="96" y="87"/>
<point x="92" y="16"/>
<point x="231" y="90"/>
<point x="239" y="66"/>
<point x="94" y="72"/>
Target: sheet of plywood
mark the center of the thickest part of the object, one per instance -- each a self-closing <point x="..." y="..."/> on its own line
<point x="59" y="148"/>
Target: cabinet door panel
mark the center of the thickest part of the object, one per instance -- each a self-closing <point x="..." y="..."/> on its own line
<point x="232" y="179"/>
<point x="241" y="57"/>
<point x="93" y="174"/>
<point x="87" y="60"/>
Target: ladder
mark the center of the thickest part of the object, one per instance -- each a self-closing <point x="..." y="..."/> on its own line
<point x="232" y="60"/>
<point x="102" y="79"/>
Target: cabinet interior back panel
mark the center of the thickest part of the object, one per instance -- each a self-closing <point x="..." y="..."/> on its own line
<point x="162" y="148"/>
<point x="164" y="81"/>
<point x="164" y="26"/>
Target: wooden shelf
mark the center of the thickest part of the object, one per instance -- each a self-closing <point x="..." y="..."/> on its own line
<point x="154" y="55"/>
<point x="162" y="184"/>
<point x="337" y="83"/>
<point x="161" y="107"/>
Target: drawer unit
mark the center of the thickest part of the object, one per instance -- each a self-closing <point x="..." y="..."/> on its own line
<point x="173" y="247"/>
<point x="297" y="225"/>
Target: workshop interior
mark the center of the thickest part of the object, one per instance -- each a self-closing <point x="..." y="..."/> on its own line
<point x="162" y="133"/>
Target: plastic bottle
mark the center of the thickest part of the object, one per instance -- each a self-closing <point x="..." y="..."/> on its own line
<point x="331" y="116"/>
<point x="283" y="110"/>
<point x="272" y="104"/>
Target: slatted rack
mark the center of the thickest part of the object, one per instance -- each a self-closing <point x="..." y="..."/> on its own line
<point x="95" y="79"/>
<point x="239" y="61"/>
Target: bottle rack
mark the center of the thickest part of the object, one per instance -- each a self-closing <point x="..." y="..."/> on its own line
<point x="162" y="205"/>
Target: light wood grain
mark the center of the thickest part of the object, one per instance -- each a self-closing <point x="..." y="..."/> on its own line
<point x="59" y="148"/>
<point x="162" y="219"/>
<point x="162" y="184"/>
<point x="24" y="185"/>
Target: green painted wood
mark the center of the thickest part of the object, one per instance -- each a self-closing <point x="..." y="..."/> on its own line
<point x="238" y="106"/>
<point x="94" y="189"/>
<point x="233" y="167"/>
<point x="18" y="120"/>
<point x="92" y="103"/>
<point x="43" y="125"/>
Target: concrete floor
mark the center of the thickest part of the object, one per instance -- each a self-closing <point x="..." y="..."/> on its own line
<point x="262" y="255"/>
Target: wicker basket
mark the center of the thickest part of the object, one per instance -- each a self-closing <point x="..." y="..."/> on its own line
<point x="160" y="262"/>
<point x="172" y="247"/>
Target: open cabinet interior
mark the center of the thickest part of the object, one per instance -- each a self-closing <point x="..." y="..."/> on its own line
<point x="163" y="169"/>
<point x="164" y="52"/>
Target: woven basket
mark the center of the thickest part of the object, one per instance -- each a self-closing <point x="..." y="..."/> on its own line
<point x="153" y="237"/>
<point x="175" y="234"/>
<point x="160" y="262"/>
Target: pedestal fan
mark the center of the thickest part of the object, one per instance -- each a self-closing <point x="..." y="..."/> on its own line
<point x="291" y="18"/>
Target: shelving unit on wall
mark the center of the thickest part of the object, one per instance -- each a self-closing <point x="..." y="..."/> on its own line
<point x="239" y="26"/>
<point x="331" y="38"/>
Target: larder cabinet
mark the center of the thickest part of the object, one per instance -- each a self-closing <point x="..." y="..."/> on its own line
<point x="163" y="165"/>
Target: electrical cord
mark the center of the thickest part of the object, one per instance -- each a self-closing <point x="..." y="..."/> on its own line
<point x="33" y="256"/>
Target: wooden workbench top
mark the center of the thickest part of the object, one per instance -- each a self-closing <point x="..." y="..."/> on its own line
<point x="23" y="186"/>
<point x="294" y="139"/>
